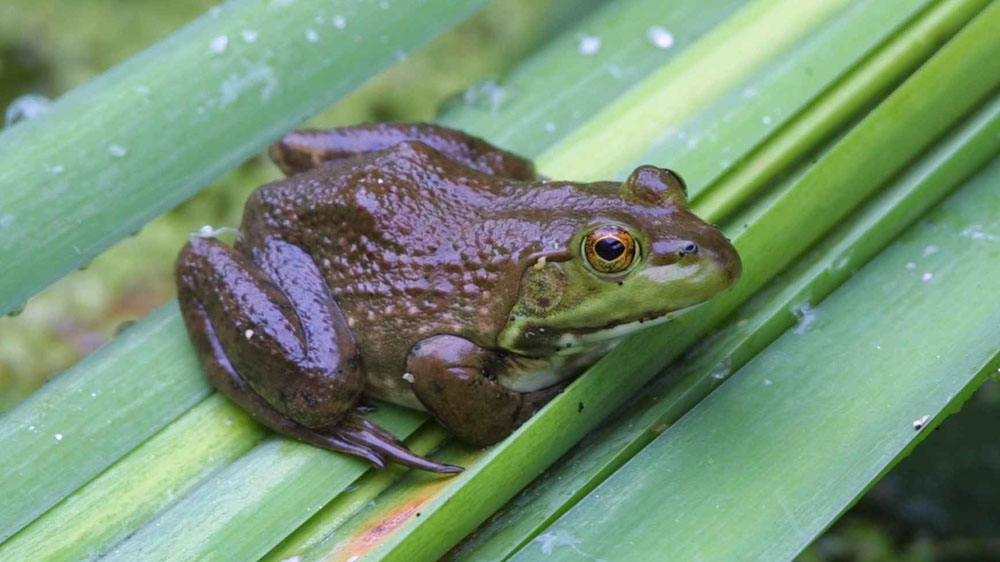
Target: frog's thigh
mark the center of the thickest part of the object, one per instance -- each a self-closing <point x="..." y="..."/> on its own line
<point x="299" y="151"/>
<point x="448" y="375"/>
<point x="223" y="377"/>
<point x="281" y="338"/>
<point x="296" y="370"/>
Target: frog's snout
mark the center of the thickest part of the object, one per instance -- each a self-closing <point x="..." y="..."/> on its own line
<point x="721" y="255"/>
<point x="729" y="262"/>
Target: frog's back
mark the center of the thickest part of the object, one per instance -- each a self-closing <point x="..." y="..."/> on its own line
<point x="408" y="244"/>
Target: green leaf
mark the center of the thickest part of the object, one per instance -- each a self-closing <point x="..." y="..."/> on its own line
<point x="557" y="89"/>
<point x="90" y="172"/>
<point x="62" y="435"/>
<point x="142" y="483"/>
<point x="251" y="496"/>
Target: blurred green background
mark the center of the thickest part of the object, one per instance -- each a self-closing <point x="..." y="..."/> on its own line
<point x="943" y="503"/>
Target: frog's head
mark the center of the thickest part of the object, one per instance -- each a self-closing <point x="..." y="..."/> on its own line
<point x="640" y="258"/>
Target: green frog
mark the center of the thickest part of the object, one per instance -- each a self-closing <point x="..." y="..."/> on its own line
<point x="425" y="267"/>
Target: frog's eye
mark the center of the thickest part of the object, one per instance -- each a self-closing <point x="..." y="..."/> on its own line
<point x="610" y="249"/>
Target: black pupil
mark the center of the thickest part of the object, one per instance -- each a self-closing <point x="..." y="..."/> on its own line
<point x="609" y="249"/>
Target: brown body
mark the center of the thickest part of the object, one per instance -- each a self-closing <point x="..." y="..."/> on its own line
<point x="406" y="262"/>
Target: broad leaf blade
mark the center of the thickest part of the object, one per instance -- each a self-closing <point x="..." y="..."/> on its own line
<point x="90" y="171"/>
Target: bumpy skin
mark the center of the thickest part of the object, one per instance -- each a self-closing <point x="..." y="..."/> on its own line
<point x="422" y="266"/>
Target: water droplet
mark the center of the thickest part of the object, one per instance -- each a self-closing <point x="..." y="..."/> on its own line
<point x="214" y="11"/>
<point x="750" y="92"/>
<point x="660" y="37"/>
<point x="235" y="86"/>
<point x="807" y="317"/>
<point x="487" y="95"/>
<point x="722" y="369"/>
<point x="58" y="436"/>
<point x="552" y="540"/>
<point x="312" y="36"/>
<point x="930" y="250"/>
<point x="117" y="150"/>
<point x="911" y="265"/>
<point x="589" y="45"/>
<point x="6" y="220"/>
<point x="384" y="5"/>
<point x="550" y="127"/>
<point x="927" y="276"/>
<point x="25" y="108"/>
<point x="766" y="119"/>
<point x="248" y="334"/>
<point x="209" y="231"/>
<point x="248" y="35"/>
<point x="218" y="45"/>
<point x="339" y="22"/>
<point x="143" y="90"/>
<point x="975" y="232"/>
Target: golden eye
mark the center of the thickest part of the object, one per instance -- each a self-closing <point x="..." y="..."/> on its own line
<point x="610" y="249"/>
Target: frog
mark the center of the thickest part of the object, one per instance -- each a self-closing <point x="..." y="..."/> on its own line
<point x="423" y="266"/>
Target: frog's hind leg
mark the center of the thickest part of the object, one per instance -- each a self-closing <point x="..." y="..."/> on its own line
<point x="279" y="347"/>
<point x="299" y="151"/>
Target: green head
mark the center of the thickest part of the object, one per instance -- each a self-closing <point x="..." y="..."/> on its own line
<point x="638" y="256"/>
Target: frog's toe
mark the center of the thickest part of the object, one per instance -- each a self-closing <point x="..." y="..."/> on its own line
<point x="379" y="446"/>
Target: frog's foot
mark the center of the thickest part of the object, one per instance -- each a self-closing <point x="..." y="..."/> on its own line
<point x="299" y="151"/>
<point x="271" y="340"/>
<point x="451" y="376"/>
<point x="368" y="440"/>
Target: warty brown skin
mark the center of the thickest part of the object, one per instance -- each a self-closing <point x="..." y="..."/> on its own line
<point x="388" y="263"/>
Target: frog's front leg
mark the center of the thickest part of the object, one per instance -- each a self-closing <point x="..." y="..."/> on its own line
<point x="457" y="381"/>
<point x="273" y="340"/>
<point x="299" y="151"/>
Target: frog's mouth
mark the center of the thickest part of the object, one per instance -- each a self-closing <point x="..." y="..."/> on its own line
<point x="576" y="341"/>
<point x="576" y="351"/>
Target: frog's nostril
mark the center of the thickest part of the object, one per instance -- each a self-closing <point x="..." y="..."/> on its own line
<point x="688" y="249"/>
